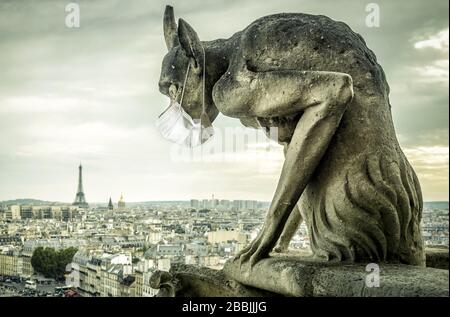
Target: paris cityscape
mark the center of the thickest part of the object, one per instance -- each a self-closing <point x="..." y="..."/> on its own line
<point x="164" y="149"/>
<point x="114" y="247"/>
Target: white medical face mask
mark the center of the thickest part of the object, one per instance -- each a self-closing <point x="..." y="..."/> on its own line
<point x="177" y="126"/>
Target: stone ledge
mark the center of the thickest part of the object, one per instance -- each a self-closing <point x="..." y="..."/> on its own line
<point x="193" y="281"/>
<point x="291" y="276"/>
<point x="437" y="257"/>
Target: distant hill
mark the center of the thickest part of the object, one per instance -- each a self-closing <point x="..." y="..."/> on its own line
<point x="163" y="202"/>
<point x="436" y="204"/>
<point x="29" y="201"/>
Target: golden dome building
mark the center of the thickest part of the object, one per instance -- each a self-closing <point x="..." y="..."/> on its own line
<point x="121" y="203"/>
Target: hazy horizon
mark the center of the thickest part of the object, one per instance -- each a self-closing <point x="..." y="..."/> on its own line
<point x="90" y="95"/>
<point x="166" y="200"/>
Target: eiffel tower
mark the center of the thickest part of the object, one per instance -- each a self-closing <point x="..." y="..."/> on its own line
<point x="80" y="200"/>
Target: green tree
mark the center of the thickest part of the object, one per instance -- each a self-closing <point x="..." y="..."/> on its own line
<point x="52" y="263"/>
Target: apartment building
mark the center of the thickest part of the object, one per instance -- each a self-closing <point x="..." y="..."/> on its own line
<point x="11" y="263"/>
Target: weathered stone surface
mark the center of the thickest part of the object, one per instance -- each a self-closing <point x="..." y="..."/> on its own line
<point x="306" y="276"/>
<point x="437" y="257"/>
<point x="287" y="276"/>
<point x="192" y="281"/>
<point x="396" y="280"/>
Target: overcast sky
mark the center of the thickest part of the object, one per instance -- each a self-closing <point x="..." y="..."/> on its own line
<point x="89" y="94"/>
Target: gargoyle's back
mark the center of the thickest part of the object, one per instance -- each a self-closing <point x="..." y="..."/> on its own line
<point x="311" y="42"/>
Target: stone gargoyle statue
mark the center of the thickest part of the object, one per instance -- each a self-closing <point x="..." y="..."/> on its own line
<point x="315" y="80"/>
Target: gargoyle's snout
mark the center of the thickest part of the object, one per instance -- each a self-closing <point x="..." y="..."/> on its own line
<point x="167" y="88"/>
<point x="164" y="87"/>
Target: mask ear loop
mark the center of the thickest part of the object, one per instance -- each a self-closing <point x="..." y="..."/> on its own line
<point x="204" y="118"/>
<point x="182" y="92"/>
<point x="203" y="83"/>
<point x="204" y="80"/>
<point x="184" y="84"/>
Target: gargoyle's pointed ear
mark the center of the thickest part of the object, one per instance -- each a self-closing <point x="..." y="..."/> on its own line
<point x="170" y="28"/>
<point x="190" y="42"/>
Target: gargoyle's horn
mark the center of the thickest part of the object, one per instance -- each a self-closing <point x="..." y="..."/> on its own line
<point x="170" y="28"/>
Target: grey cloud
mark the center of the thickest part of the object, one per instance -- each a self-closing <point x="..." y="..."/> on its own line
<point x="110" y="66"/>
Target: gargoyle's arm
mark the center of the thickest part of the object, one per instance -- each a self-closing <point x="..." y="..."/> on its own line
<point x="323" y="97"/>
<point x="282" y="92"/>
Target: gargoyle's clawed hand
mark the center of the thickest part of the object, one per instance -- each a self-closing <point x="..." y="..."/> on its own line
<point x="252" y="254"/>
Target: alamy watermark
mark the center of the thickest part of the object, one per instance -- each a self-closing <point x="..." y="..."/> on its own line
<point x="231" y="144"/>
<point x="373" y="16"/>
<point x="73" y="15"/>
<point x="72" y="276"/>
<point x="373" y="278"/>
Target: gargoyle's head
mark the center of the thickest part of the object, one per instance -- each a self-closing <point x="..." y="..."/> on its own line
<point x="184" y="47"/>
